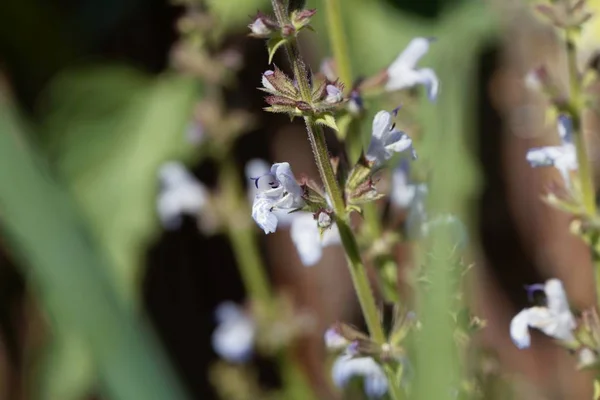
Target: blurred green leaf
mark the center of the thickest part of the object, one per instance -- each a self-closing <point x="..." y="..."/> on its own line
<point x="67" y="371"/>
<point x="108" y="130"/>
<point x="232" y="14"/>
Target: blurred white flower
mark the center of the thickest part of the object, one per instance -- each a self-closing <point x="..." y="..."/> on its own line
<point x="233" y="338"/>
<point x="277" y="190"/>
<point x="386" y="140"/>
<point x="335" y="341"/>
<point x="555" y="319"/>
<point x="259" y="28"/>
<point x="307" y="239"/>
<point x="347" y="367"/>
<point x="404" y="191"/>
<point x="334" y="95"/>
<point x="180" y="193"/>
<point x="563" y="157"/>
<point x="402" y="73"/>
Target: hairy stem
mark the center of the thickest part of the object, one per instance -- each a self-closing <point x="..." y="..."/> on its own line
<point x="321" y="154"/>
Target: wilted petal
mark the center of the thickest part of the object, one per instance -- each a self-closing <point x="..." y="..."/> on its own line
<point x="234" y="337"/>
<point x="347" y="367"/>
<point x="263" y="215"/>
<point x="180" y="193"/>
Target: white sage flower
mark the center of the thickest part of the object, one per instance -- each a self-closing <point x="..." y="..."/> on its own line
<point x="307" y="239"/>
<point x="180" y="194"/>
<point x="334" y="95"/>
<point x="404" y="191"/>
<point x="403" y="72"/>
<point x="277" y="190"/>
<point x="563" y="157"/>
<point x="387" y="140"/>
<point x="233" y="339"/>
<point x="555" y="319"/>
<point x="348" y="366"/>
<point x="335" y="341"/>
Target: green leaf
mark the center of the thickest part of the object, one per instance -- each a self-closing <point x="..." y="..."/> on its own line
<point x="273" y="44"/>
<point x="109" y="129"/>
<point x="327" y="120"/>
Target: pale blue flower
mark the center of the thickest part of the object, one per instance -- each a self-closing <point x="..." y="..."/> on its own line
<point x="233" y="339"/>
<point x="347" y="367"/>
<point x="180" y="194"/>
<point x="334" y="95"/>
<point x="335" y="341"/>
<point x="555" y="319"/>
<point x="563" y="157"/>
<point x="307" y="239"/>
<point x="404" y="191"/>
<point x="276" y="190"/>
<point x="386" y="140"/>
<point x="403" y="72"/>
<point x="255" y="169"/>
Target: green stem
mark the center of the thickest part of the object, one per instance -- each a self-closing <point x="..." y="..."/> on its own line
<point x="338" y="42"/>
<point x="585" y="170"/>
<point x="321" y="154"/>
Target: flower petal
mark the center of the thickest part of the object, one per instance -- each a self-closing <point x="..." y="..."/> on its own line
<point x="284" y="174"/>
<point x="305" y="235"/>
<point x="234" y="336"/>
<point x="382" y="123"/>
<point x="263" y="215"/>
<point x="335" y="341"/>
<point x="347" y="367"/>
<point x="519" y="329"/>
<point x="544" y="156"/>
<point x="181" y="193"/>
<point x="410" y="56"/>
<point x="428" y="78"/>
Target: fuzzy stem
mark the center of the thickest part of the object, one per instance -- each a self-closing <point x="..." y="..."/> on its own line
<point x="316" y="137"/>
<point x="338" y="42"/>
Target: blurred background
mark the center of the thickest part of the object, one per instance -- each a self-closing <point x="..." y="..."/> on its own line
<point x="94" y="84"/>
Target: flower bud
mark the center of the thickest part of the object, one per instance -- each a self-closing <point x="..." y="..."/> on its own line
<point x="262" y="26"/>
